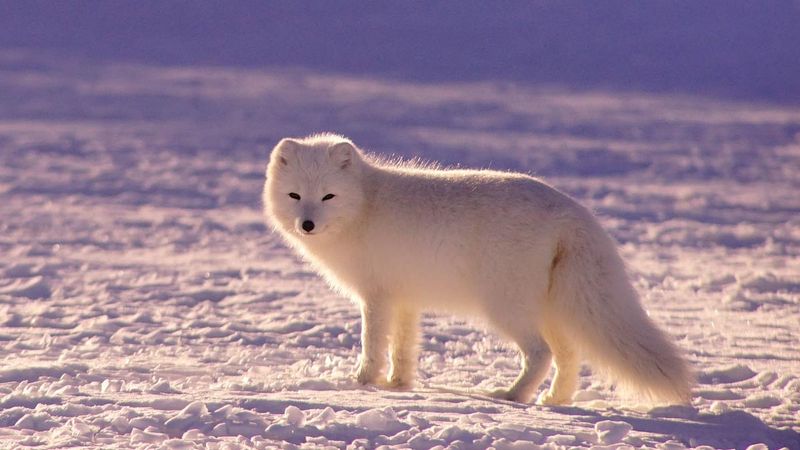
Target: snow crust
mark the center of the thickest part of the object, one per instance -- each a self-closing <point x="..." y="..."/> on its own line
<point x="144" y="303"/>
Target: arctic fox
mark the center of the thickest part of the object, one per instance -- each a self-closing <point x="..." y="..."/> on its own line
<point x="400" y="239"/>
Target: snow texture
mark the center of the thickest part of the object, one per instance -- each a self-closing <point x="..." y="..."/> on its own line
<point x="145" y="304"/>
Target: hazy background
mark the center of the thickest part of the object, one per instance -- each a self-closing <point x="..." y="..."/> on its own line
<point x="733" y="49"/>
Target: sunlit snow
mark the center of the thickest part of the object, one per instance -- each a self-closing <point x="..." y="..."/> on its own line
<point x="144" y="303"/>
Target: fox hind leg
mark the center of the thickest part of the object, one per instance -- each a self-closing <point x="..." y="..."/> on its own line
<point x="536" y="358"/>
<point x="567" y="364"/>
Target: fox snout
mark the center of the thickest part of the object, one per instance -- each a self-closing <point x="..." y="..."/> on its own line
<point x="304" y="225"/>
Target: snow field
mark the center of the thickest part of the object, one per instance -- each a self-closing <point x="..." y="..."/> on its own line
<point x="144" y="303"/>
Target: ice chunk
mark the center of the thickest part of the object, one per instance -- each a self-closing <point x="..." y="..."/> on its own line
<point x="455" y="433"/>
<point x="561" y="439"/>
<point x="762" y="401"/>
<point x="121" y="424"/>
<point x="611" y="431"/>
<point x="674" y="411"/>
<point x="162" y="387"/>
<point x="108" y="386"/>
<point x="324" y="416"/>
<point x="147" y="436"/>
<point x="718" y="394"/>
<point x="143" y="422"/>
<point x="758" y="446"/>
<point x="515" y="432"/>
<point x="294" y="416"/>
<point x="64" y="390"/>
<point x="35" y="421"/>
<point x="194" y="409"/>
<point x="220" y="429"/>
<point x="79" y="427"/>
<point x="423" y="442"/>
<point x="194" y="415"/>
<point x="382" y="420"/>
<point x="732" y="374"/>
<point x="193" y="435"/>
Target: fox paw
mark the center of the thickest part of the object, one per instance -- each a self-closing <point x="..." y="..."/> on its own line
<point x="367" y="374"/>
<point x="399" y="383"/>
<point x="549" y="399"/>
<point x="507" y="394"/>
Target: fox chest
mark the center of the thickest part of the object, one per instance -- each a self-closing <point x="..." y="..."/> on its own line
<point x="420" y="273"/>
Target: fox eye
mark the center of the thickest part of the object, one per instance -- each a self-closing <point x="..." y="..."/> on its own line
<point x="294" y="195"/>
<point x="328" y="197"/>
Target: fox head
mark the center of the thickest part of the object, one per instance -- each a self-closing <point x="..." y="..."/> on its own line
<point x="313" y="188"/>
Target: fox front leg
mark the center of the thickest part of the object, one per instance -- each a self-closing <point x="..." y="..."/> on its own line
<point x="403" y="348"/>
<point x="375" y="326"/>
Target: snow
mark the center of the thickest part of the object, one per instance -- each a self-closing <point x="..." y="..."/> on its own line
<point x="611" y="432"/>
<point x="144" y="303"/>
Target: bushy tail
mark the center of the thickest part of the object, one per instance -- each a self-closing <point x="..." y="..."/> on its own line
<point x="591" y="292"/>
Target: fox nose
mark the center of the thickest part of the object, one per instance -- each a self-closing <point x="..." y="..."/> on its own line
<point x="308" y="226"/>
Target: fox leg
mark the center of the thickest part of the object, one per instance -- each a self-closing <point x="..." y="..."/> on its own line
<point x="375" y="326"/>
<point x="403" y="348"/>
<point x="535" y="355"/>
<point x="535" y="363"/>
<point x="567" y="364"/>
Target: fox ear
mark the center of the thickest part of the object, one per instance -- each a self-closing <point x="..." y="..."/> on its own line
<point x="343" y="154"/>
<point x="284" y="151"/>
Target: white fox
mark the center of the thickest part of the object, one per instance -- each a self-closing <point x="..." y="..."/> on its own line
<point x="402" y="238"/>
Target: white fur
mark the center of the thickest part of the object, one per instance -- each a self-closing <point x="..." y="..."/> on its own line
<point x="502" y="246"/>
